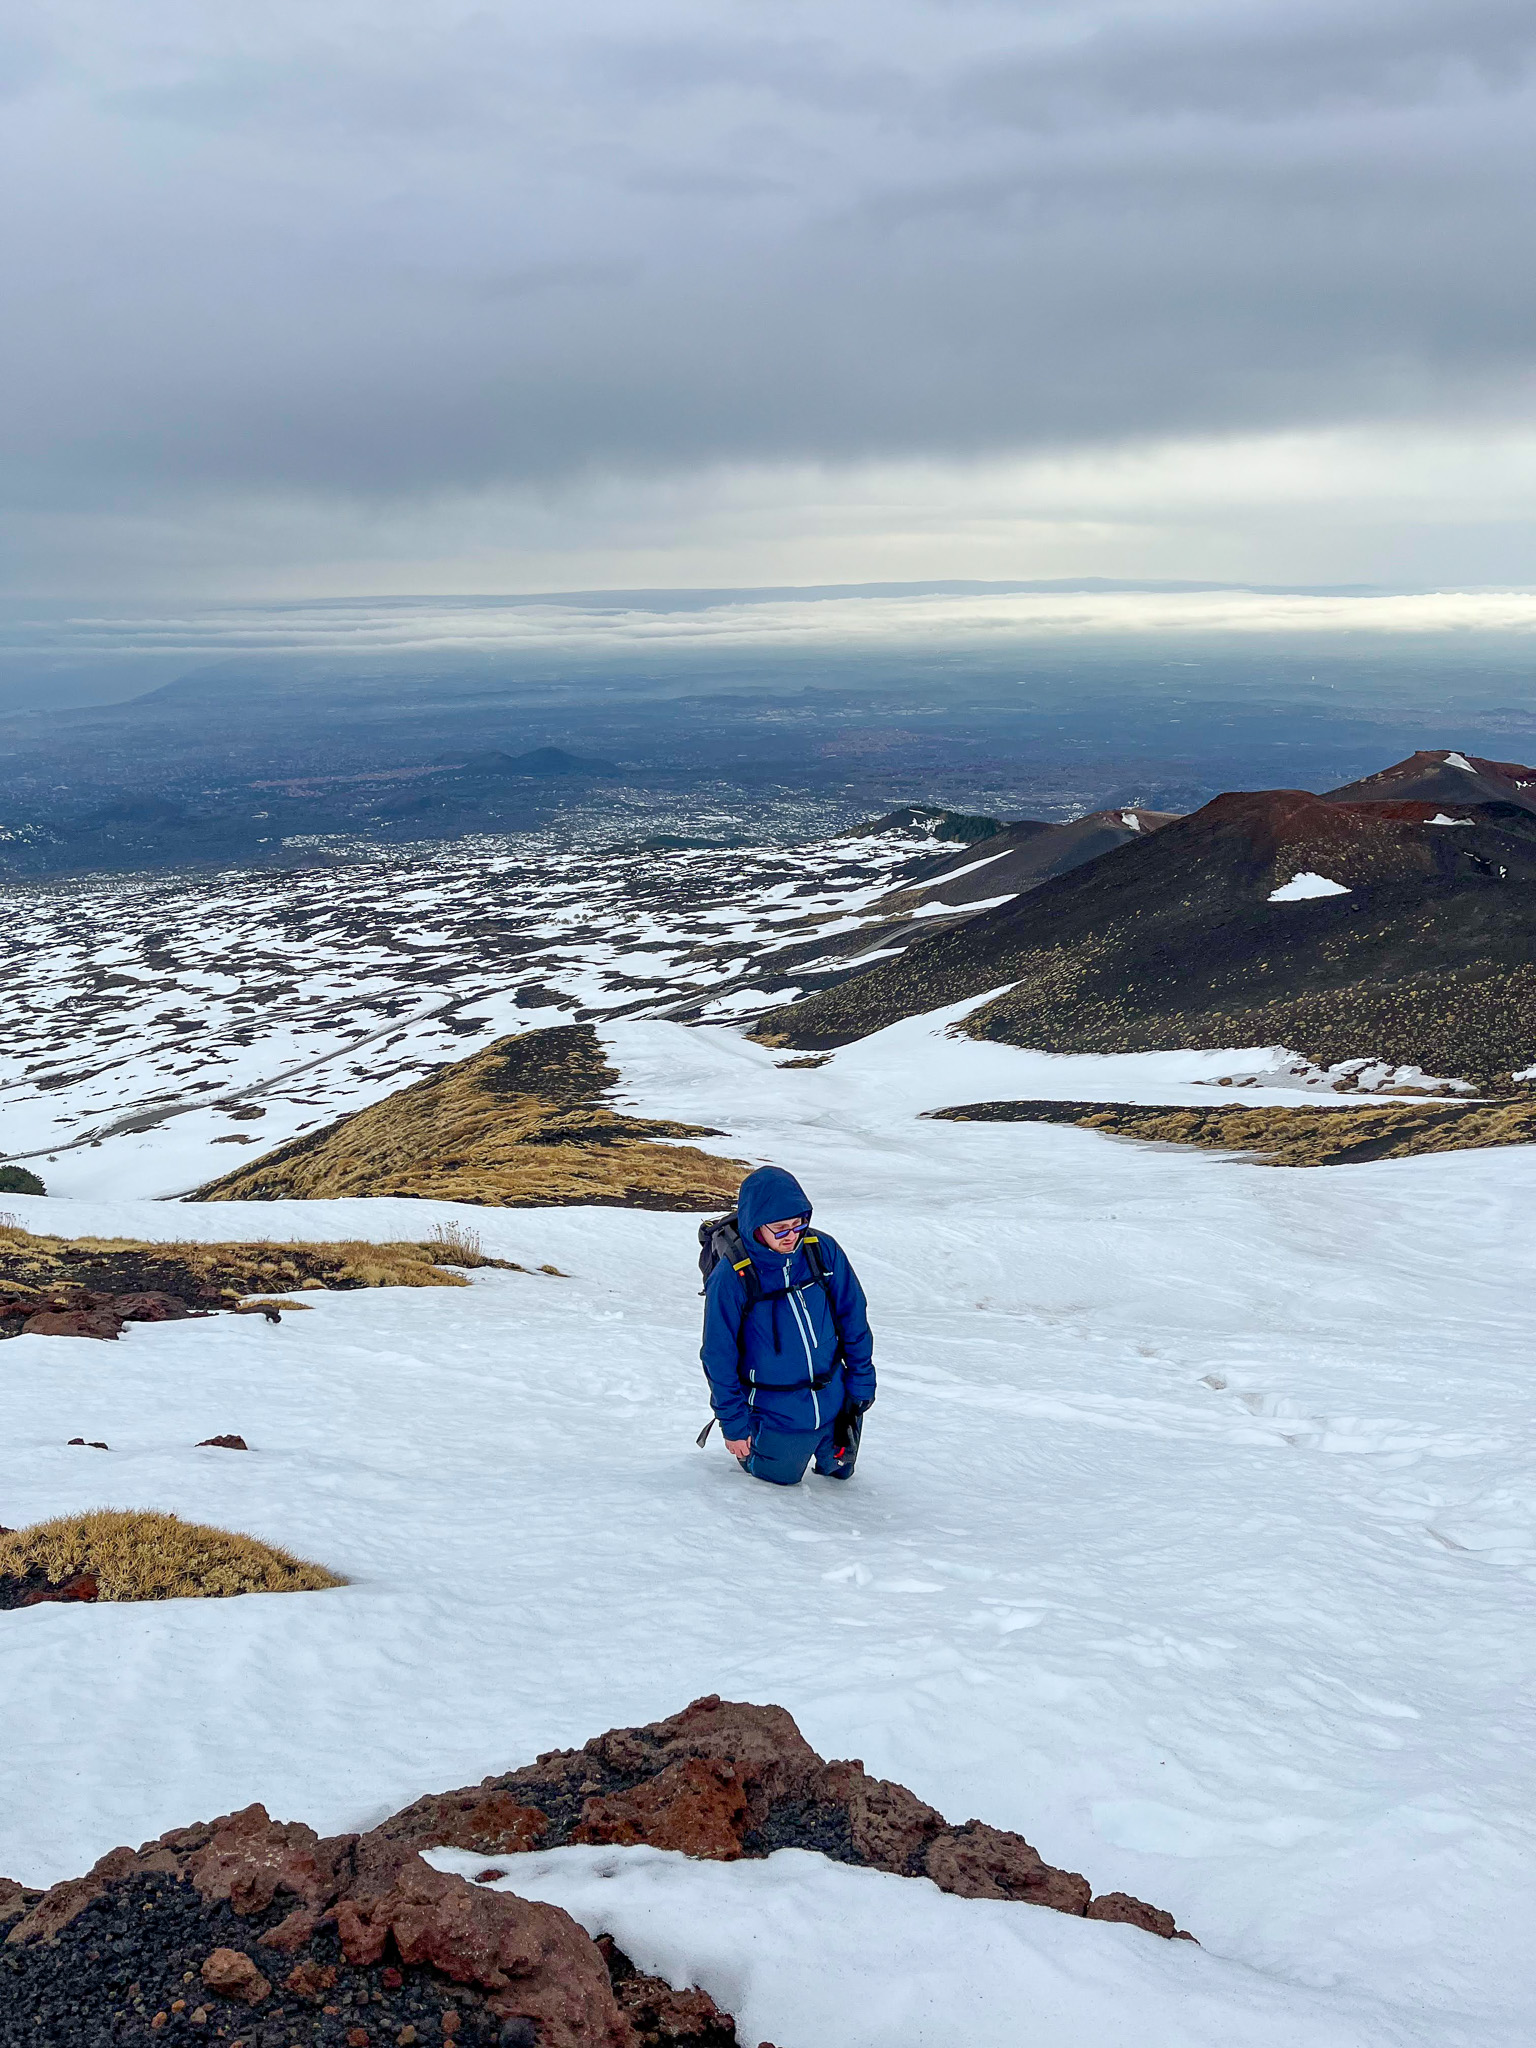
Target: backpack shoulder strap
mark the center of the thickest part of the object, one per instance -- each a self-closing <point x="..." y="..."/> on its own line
<point x="740" y="1260"/>
<point x="810" y="1244"/>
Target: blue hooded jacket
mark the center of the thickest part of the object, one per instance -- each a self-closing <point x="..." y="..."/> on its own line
<point x="762" y="1363"/>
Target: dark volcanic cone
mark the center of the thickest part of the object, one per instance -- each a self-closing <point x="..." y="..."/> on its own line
<point x="1426" y="961"/>
<point x="1444" y="777"/>
<point x="1024" y="855"/>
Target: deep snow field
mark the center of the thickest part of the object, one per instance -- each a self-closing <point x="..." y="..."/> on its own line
<point x="1194" y="1537"/>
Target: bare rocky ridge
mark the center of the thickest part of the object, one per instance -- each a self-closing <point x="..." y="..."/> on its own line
<point x="251" y="1929"/>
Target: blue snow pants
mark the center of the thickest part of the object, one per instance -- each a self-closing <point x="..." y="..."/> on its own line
<point x="781" y="1455"/>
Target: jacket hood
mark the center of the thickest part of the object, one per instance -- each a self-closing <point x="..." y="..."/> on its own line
<point x="768" y="1196"/>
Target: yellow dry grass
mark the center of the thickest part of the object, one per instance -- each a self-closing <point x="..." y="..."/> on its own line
<point x="222" y="1272"/>
<point x="1300" y="1135"/>
<point x="521" y="1124"/>
<point x="136" y="1555"/>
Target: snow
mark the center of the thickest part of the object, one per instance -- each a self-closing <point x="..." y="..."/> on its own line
<point x="970" y="868"/>
<point x="333" y="987"/>
<point x="966" y="909"/>
<point x="1130" y="819"/>
<point x="881" y="1959"/>
<point x="1440" y="818"/>
<point x="1194" y="1537"/>
<point x="1459" y="761"/>
<point x="1301" y="888"/>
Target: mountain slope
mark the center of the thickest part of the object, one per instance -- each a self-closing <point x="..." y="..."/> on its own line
<point x="1029" y="852"/>
<point x="1423" y="957"/>
<point x="1442" y="776"/>
<point x="520" y="1124"/>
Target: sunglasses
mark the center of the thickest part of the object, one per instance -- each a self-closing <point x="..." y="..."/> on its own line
<point x="787" y="1229"/>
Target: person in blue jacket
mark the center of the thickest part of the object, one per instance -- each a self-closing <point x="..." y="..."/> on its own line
<point x="789" y="1359"/>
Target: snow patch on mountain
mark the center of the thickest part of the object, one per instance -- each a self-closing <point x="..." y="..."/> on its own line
<point x="1303" y="887"/>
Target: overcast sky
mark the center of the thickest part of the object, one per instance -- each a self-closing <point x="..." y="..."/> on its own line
<point x="352" y="295"/>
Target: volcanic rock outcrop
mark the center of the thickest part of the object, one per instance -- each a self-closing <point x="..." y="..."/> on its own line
<point x="522" y="1123"/>
<point x="353" y="1938"/>
<point x="1423" y="954"/>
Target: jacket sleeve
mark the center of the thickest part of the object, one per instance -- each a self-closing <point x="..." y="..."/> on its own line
<point x="853" y="1321"/>
<point x="724" y="1301"/>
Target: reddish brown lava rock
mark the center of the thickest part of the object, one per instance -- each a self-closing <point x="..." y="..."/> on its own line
<point x="82" y="1586"/>
<point x="657" y="2012"/>
<point x="719" y="1780"/>
<point x="534" y="1959"/>
<point x="151" y="1307"/>
<point x="15" y="1899"/>
<point x="74" y="1311"/>
<point x="663" y="1784"/>
<point x="223" y="1443"/>
<point x="697" y="1807"/>
<point x="978" y="1862"/>
<point x="74" y="1322"/>
<point x="491" y="1825"/>
<point x="1136" y="1913"/>
<point x="229" y="1973"/>
<point x="529" y="1960"/>
<point x="248" y="1858"/>
<point x="309" y="1980"/>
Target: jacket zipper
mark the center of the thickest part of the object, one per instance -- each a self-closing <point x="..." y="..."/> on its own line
<point x="803" y="1325"/>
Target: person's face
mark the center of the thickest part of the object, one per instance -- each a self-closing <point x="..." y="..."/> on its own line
<point x="782" y="1237"/>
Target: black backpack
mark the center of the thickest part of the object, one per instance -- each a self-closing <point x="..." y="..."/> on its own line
<point x="720" y="1239"/>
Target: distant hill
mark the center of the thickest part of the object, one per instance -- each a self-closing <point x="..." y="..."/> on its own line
<point x="540" y="761"/>
<point x="1445" y="777"/>
<point x="1404" y="938"/>
<point x="1024" y="855"/>
<point x="929" y="821"/>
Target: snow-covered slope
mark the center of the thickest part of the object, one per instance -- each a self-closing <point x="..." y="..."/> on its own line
<point x="1195" y="1537"/>
<point x="157" y="1027"/>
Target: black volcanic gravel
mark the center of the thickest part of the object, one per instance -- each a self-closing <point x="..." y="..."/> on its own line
<point x="138" y="1949"/>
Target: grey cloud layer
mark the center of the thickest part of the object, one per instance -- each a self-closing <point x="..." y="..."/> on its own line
<point x="384" y="250"/>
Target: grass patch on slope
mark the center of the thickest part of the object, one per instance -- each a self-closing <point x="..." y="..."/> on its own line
<point x="133" y="1554"/>
<point x="215" y="1275"/>
<point x="521" y="1124"/>
<point x="1309" y="1134"/>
